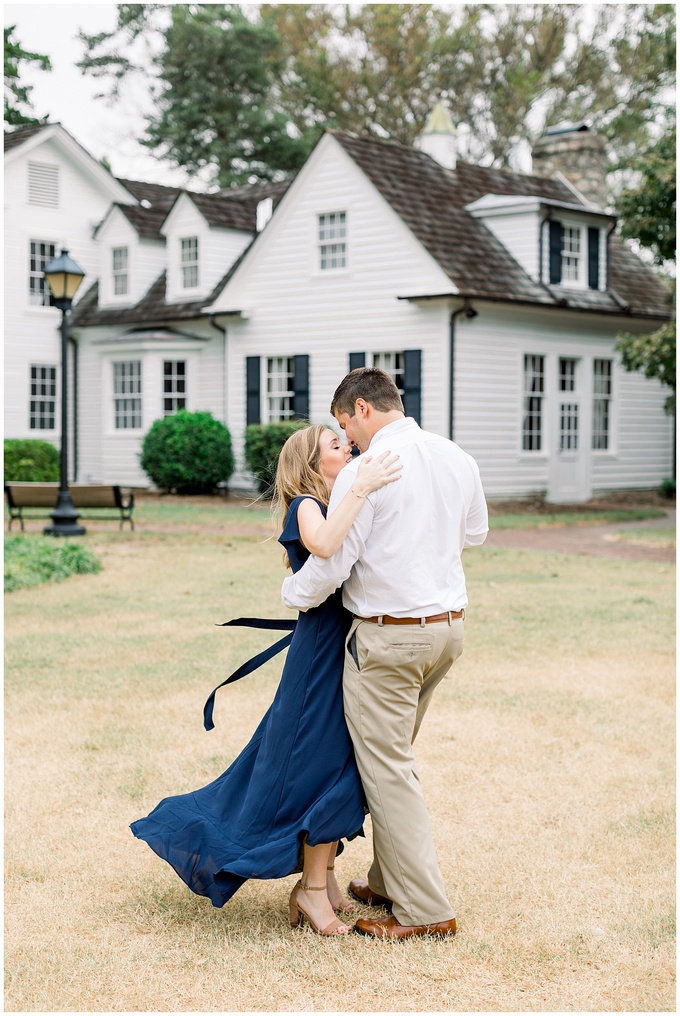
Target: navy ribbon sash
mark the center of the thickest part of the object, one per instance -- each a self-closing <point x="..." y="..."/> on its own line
<point x="257" y="661"/>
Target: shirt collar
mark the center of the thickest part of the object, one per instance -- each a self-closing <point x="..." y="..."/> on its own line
<point x="387" y="432"/>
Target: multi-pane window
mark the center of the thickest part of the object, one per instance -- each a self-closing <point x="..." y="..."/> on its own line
<point x="332" y="241"/>
<point x="120" y="270"/>
<point x="566" y="382"/>
<point x="571" y="254"/>
<point x="534" y="393"/>
<point x="127" y="395"/>
<point x="174" y="386"/>
<point x="280" y="391"/>
<point x="43" y="184"/>
<point x="602" y="397"/>
<point x="189" y="261"/>
<point x="43" y="399"/>
<point x="392" y="364"/>
<point x="42" y="252"/>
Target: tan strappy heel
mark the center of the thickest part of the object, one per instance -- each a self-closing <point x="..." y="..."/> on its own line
<point x="297" y="914"/>
<point x="346" y="907"/>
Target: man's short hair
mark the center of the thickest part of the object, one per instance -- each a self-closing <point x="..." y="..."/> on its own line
<point x="371" y="384"/>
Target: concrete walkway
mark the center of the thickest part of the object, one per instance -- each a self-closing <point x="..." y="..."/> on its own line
<point x="591" y="540"/>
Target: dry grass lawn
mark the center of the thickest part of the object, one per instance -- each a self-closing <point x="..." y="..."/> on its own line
<point x="547" y="760"/>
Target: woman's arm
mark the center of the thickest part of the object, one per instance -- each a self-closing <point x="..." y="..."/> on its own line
<point x="323" y="537"/>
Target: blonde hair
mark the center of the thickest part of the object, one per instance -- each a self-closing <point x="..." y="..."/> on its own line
<point x="298" y="472"/>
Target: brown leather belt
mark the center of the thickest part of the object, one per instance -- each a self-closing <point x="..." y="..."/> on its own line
<point x="386" y="619"/>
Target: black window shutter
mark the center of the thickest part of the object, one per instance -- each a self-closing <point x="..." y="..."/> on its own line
<point x="252" y="389"/>
<point x="593" y="257"/>
<point x="411" y="396"/>
<point x="357" y="360"/>
<point x="301" y="387"/>
<point x="556" y="244"/>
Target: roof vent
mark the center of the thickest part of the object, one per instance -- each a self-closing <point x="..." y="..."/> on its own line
<point x="145" y="203"/>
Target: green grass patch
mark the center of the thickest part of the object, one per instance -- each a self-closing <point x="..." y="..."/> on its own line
<point x="30" y="561"/>
<point x="647" y="537"/>
<point x="584" y="518"/>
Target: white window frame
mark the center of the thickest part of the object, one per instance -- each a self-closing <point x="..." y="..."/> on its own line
<point x="174" y="386"/>
<point x="606" y="398"/>
<point x="127" y="395"/>
<point x="530" y="372"/>
<point x="120" y="267"/>
<point x="574" y="255"/>
<point x="42" y="402"/>
<point x="392" y="362"/>
<point x="188" y="262"/>
<point x="38" y="288"/>
<point x="278" y="388"/>
<point x="332" y="241"/>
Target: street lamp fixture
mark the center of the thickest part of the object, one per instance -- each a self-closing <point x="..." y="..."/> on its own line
<point x="63" y="277"/>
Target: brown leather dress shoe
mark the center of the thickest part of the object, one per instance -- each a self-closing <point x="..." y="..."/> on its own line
<point x="389" y="927"/>
<point x="360" y="890"/>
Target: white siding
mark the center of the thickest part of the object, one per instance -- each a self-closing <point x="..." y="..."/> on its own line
<point x="32" y="332"/>
<point x="488" y="404"/>
<point x="519" y="233"/>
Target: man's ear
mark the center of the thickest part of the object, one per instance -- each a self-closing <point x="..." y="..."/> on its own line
<point x="361" y="407"/>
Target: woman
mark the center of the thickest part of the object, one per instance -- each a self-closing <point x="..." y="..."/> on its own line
<point x="294" y="791"/>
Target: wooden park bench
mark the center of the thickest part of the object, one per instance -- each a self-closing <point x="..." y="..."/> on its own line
<point x="84" y="495"/>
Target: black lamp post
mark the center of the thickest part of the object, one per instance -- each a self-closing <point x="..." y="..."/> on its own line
<point x="63" y="277"/>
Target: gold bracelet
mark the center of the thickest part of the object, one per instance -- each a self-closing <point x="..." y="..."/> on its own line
<point x="357" y="493"/>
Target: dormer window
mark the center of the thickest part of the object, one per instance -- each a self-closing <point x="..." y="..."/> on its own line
<point x="189" y="262"/>
<point x="332" y="241"/>
<point x="571" y="254"/>
<point x="119" y="257"/>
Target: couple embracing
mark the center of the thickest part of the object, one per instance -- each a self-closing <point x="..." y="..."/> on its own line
<point x="375" y="546"/>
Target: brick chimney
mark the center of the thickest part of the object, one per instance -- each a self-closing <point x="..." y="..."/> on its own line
<point x="579" y="155"/>
<point x="438" y="139"/>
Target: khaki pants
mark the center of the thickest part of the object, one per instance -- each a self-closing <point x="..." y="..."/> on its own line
<point x="386" y="697"/>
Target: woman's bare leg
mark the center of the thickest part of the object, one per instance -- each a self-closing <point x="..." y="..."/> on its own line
<point x="337" y="900"/>
<point x="316" y="904"/>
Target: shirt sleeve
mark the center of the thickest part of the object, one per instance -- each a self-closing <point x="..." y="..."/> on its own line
<point x="477" y="522"/>
<point x="319" y="577"/>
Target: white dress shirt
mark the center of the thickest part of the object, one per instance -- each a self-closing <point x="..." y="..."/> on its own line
<point x="402" y="555"/>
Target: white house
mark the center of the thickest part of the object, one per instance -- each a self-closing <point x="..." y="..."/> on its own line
<point x="55" y="194"/>
<point x="493" y="298"/>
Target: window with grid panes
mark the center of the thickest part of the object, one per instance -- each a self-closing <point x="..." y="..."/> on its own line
<point x="392" y="364"/>
<point x="120" y="270"/>
<point x="189" y="262"/>
<point x="43" y="396"/>
<point x="332" y="240"/>
<point x="280" y="392"/>
<point x="602" y="397"/>
<point x="41" y="253"/>
<point x="571" y="254"/>
<point x="569" y="411"/>
<point x="127" y="395"/>
<point x="534" y="392"/>
<point x="174" y="386"/>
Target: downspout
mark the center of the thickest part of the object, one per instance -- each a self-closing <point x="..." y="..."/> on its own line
<point x="469" y="312"/>
<point x="74" y="346"/>
<point x="223" y="333"/>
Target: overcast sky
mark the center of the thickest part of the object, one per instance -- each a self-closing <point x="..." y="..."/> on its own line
<point x="68" y="96"/>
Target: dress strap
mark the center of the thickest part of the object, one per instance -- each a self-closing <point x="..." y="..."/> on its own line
<point x="257" y="661"/>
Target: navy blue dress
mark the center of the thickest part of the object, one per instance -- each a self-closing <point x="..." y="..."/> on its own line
<point x="296" y="779"/>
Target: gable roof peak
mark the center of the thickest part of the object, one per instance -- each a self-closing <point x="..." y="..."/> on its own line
<point x="439" y="121"/>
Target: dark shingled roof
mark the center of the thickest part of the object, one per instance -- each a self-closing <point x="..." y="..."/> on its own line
<point x="20" y="134"/>
<point x="431" y="200"/>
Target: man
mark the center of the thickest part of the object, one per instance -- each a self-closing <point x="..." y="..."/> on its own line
<point x="404" y="583"/>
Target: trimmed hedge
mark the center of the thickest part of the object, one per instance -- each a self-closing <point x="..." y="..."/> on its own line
<point x="32" y="561"/>
<point x="263" y="445"/>
<point x="31" y="461"/>
<point x="188" y="453"/>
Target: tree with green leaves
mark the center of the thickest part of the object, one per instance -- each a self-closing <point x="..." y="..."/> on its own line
<point x="649" y="217"/>
<point x="17" y="96"/>
<point x="247" y="89"/>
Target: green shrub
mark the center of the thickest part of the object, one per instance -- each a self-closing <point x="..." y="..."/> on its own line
<point x="263" y="444"/>
<point x="189" y="453"/>
<point x="667" y="488"/>
<point x="30" y="561"/>
<point x="31" y="461"/>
